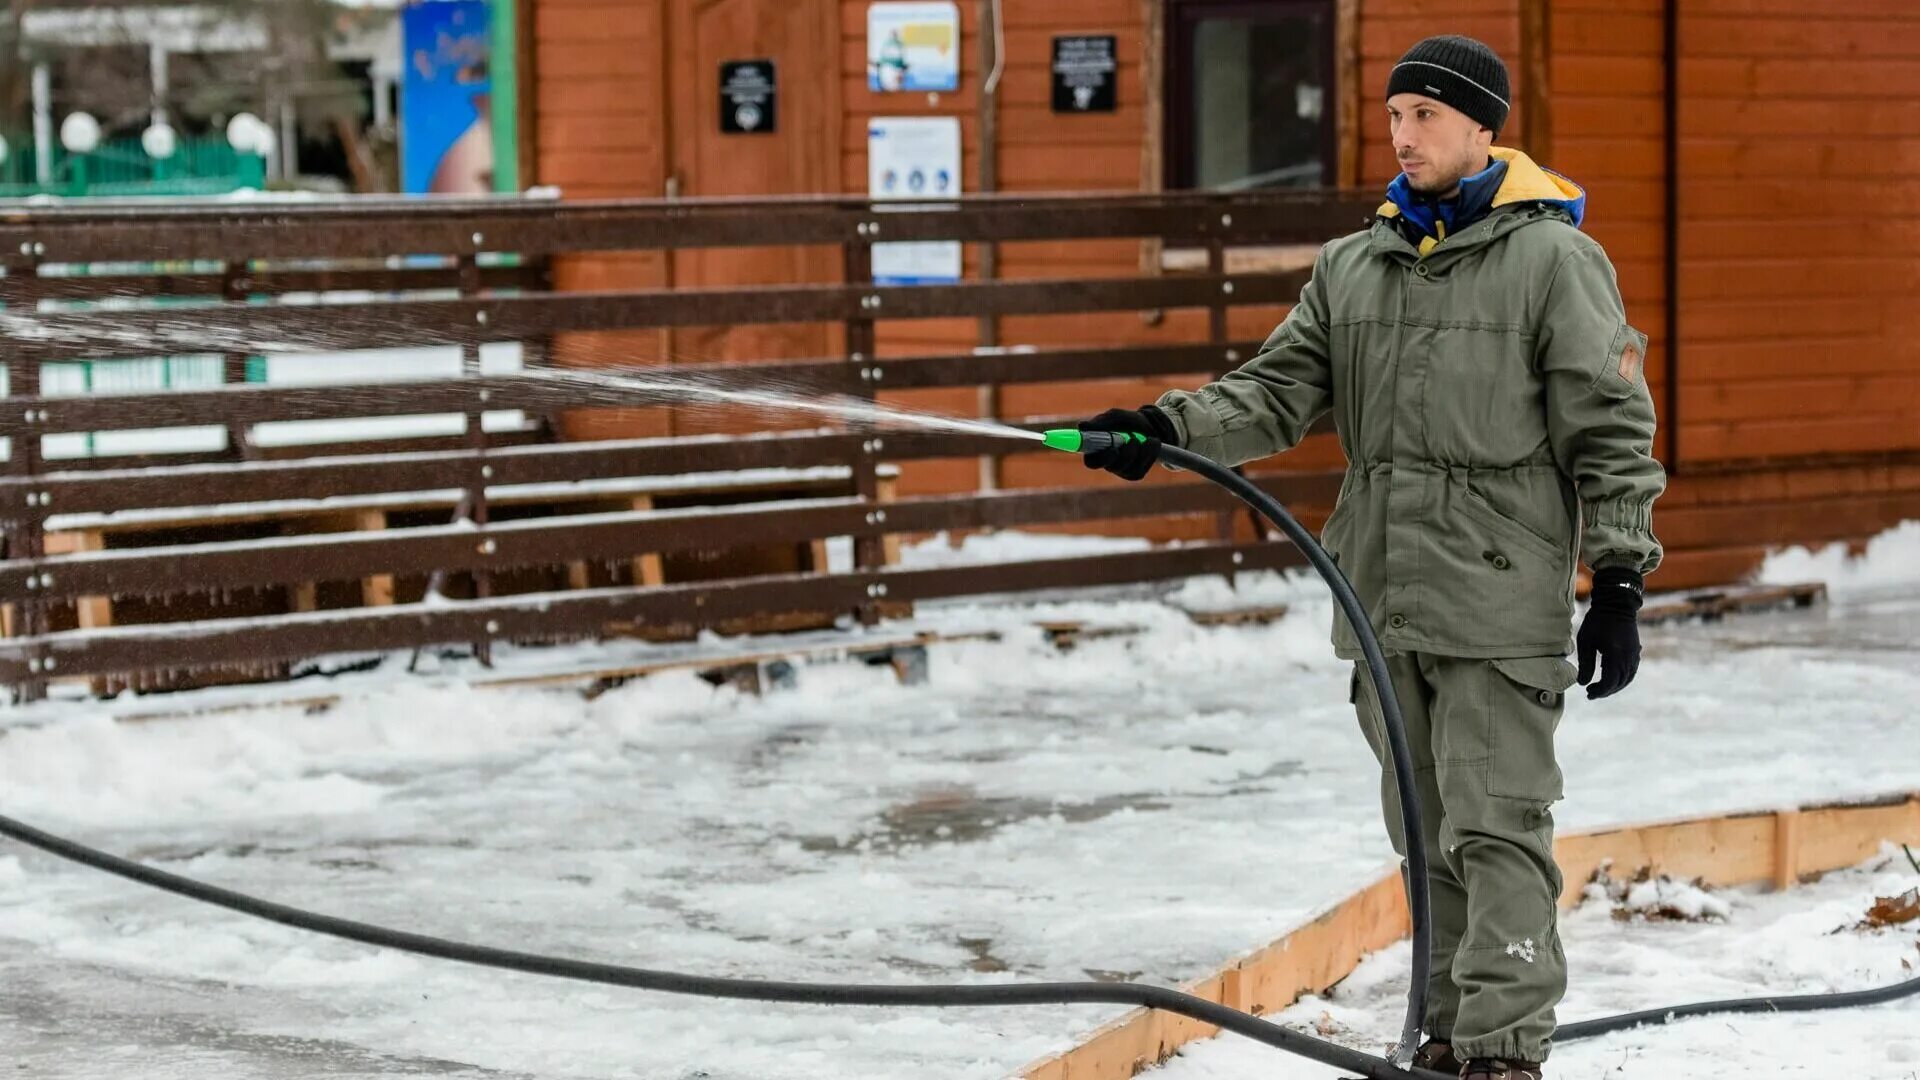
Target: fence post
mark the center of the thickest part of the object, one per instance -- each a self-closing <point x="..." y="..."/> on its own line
<point x="26" y="539"/>
<point x="1217" y="335"/>
<point x="869" y="551"/>
<point x="476" y="494"/>
<point x="235" y="285"/>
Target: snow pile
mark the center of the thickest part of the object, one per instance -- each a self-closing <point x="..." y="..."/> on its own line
<point x="1891" y="560"/>
<point x="943" y="549"/>
<point x="1655" y="896"/>
<point x="1664" y="898"/>
<point x="1256" y="588"/>
<point x="278" y="762"/>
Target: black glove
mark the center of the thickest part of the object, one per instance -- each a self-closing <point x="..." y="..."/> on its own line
<point x="1131" y="460"/>
<point x="1611" y="630"/>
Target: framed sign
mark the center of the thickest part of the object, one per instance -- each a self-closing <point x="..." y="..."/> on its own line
<point x="1084" y="74"/>
<point x="914" y="157"/>
<point x="913" y="46"/>
<point x="747" y="97"/>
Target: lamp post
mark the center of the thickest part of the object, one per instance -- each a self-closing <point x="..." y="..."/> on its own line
<point x="80" y="134"/>
<point x="253" y="140"/>
<point x="160" y="143"/>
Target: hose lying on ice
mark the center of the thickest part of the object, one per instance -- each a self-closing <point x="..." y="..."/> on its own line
<point x="1006" y="994"/>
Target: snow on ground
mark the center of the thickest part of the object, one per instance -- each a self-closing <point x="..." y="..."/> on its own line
<point x="1802" y="941"/>
<point x="1142" y="807"/>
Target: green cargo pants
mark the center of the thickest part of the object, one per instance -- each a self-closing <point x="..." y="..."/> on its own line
<point x="1481" y="734"/>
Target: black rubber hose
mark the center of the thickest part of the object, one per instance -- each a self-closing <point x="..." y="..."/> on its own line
<point x="962" y="996"/>
<point x="673" y="982"/>
<point x="1587" y="1029"/>
<point x="1415" y="878"/>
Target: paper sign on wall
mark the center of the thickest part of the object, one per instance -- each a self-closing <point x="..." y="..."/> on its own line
<point x="914" y="157"/>
<point x="913" y="46"/>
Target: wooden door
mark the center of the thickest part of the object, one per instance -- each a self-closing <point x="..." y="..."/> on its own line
<point x="800" y="156"/>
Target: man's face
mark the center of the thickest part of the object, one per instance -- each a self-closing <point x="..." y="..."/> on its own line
<point x="1435" y="143"/>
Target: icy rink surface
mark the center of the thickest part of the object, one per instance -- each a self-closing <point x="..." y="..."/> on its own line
<point x="1144" y="807"/>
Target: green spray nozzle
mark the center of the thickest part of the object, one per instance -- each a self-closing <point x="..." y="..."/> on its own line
<point x="1086" y="442"/>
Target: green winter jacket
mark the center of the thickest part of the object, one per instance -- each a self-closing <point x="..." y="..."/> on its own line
<point x="1491" y="400"/>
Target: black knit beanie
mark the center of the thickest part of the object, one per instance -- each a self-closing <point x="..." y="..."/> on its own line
<point x="1459" y="71"/>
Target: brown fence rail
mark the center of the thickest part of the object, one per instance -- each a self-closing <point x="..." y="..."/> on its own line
<point x="481" y="503"/>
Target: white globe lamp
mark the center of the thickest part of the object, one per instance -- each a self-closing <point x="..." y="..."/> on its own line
<point x="80" y="133"/>
<point x="159" y="141"/>
<point x="243" y="133"/>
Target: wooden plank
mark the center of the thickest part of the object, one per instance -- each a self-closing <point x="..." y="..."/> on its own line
<point x="647" y="568"/>
<point x="1248" y="616"/>
<point x="376" y="590"/>
<point x="1536" y="66"/>
<point x="1713" y="605"/>
<point x="560" y="613"/>
<point x="108" y="334"/>
<point x="376" y="228"/>
<point x="1832" y="837"/>
<point x="1348" y="91"/>
<point x="1724" y="851"/>
<point x="94" y="612"/>
<point x="885" y="492"/>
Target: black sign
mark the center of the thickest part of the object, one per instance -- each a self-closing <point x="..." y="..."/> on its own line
<point x="1083" y="74"/>
<point x="747" y="97"/>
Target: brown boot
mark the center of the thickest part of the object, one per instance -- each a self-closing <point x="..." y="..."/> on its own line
<point x="1500" y="1069"/>
<point x="1436" y="1055"/>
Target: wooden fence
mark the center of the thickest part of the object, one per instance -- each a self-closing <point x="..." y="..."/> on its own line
<point x="462" y="274"/>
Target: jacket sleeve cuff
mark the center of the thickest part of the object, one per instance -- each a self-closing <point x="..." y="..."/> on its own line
<point x="1626" y="559"/>
<point x="1619" y="532"/>
<point x="1198" y="429"/>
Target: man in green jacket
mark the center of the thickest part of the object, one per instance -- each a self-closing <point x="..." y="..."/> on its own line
<point x="1492" y="403"/>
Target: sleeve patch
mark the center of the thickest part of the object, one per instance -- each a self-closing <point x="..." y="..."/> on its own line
<point x="1630" y="362"/>
<point x="1623" y="372"/>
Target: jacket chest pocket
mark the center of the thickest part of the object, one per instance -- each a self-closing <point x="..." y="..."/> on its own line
<point x="1363" y="387"/>
<point x="1481" y="399"/>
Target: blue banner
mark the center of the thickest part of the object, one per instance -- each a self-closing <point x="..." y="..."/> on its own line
<point x="446" y="137"/>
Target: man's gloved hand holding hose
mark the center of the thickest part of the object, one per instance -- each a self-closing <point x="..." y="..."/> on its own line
<point x="1131" y="460"/>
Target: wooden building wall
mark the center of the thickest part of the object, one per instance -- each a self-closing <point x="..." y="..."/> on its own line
<point x="1799" y="238"/>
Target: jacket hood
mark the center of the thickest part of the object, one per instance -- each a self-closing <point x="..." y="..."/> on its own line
<point x="1512" y="177"/>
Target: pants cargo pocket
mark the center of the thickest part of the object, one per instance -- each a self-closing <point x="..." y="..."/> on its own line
<point x="1372" y="725"/>
<point x="1524" y="702"/>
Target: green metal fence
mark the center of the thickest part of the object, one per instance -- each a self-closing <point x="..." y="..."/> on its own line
<point x="203" y="165"/>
